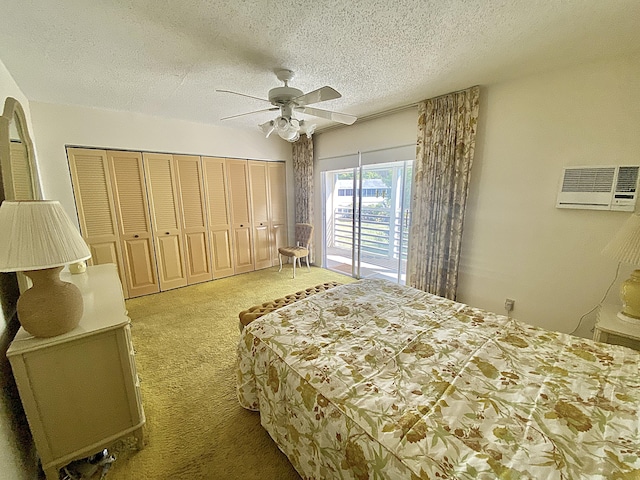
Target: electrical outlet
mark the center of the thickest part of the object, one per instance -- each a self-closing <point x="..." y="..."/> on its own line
<point x="508" y="304"/>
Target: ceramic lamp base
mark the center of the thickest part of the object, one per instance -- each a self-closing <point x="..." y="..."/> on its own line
<point x="51" y="306"/>
<point x="630" y="295"/>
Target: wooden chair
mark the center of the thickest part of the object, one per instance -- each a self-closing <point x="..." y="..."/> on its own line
<point x="304" y="233"/>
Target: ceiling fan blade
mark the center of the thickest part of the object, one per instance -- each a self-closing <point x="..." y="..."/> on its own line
<point x="243" y="95"/>
<point x="335" y="116"/>
<point x="251" y="113"/>
<point x="319" y="95"/>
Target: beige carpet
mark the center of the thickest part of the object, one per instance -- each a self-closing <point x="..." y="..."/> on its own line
<point x="185" y="341"/>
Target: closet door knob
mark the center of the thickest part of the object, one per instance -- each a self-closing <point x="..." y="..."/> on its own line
<point x="166" y="233"/>
<point x="136" y="236"/>
<point x="241" y="226"/>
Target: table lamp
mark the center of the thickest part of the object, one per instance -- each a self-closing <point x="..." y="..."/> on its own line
<point x="625" y="247"/>
<point x="38" y="238"/>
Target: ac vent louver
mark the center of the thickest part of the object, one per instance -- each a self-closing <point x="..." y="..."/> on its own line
<point x="599" y="188"/>
<point x="588" y="179"/>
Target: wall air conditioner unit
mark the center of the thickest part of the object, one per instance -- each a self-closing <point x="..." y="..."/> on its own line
<point x="599" y="188"/>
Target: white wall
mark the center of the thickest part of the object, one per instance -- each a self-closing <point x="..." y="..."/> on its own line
<point x="516" y="244"/>
<point x="9" y="88"/>
<point x="392" y="130"/>
<point x="59" y="125"/>
<point x="16" y="461"/>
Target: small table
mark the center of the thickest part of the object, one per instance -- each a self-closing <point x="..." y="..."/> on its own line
<point x="611" y="329"/>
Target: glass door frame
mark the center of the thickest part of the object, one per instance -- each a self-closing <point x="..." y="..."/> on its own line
<point x="398" y="215"/>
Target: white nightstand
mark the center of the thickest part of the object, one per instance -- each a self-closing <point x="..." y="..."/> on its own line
<point x="611" y="329"/>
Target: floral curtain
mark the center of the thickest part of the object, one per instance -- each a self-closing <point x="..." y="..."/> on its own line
<point x="444" y="155"/>
<point x="303" y="181"/>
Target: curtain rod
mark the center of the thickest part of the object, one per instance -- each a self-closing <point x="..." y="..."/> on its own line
<point x="366" y="152"/>
<point x="372" y="116"/>
<point x="390" y="111"/>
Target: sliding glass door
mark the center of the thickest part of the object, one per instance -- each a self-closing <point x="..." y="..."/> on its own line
<point x="366" y="215"/>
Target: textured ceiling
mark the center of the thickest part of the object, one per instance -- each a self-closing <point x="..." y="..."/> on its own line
<point x="166" y="58"/>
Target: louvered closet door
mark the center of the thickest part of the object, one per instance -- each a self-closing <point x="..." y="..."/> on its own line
<point x="132" y="210"/>
<point x="238" y="173"/>
<point x="217" y="201"/>
<point x="260" y="212"/>
<point x="194" y="218"/>
<point x="278" y="207"/>
<point x="95" y="204"/>
<point x="165" y="220"/>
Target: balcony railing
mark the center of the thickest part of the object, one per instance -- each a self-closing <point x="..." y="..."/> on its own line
<point x="380" y="235"/>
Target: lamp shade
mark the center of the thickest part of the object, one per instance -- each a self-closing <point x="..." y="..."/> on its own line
<point x="625" y="245"/>
<point x="36" y="235"/>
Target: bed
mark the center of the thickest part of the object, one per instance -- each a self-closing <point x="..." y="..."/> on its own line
<point x="374" y="380"/>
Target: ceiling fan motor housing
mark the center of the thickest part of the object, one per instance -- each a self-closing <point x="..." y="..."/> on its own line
<point x="282" y="95"/>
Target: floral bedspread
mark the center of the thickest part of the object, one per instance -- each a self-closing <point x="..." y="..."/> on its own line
<point x="380" y="381"/>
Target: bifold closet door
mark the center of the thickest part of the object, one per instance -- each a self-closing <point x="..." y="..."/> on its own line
<point x="91" y="181"/>
<point x="278" y="207"/>
<point x="165" y="219"/>
<point x="134" y="224"/>
<point x="260" y="212"/>
<point x="238" y="176"/>
<point x="219" y="216"/>
<point x="194" y="218"/>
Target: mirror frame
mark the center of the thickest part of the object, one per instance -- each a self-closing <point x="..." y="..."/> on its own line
<point x="13" y="110"/>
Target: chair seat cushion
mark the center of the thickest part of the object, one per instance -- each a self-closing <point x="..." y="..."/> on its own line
<point x="294" y="251"/>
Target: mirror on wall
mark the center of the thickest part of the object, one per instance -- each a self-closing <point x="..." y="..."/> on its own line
<point x="18" y="181"/>
<point x="17" y="161"/>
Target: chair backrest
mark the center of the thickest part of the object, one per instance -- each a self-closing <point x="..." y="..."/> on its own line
<point x="304" y="233"/>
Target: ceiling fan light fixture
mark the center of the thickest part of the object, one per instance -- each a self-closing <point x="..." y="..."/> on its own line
<point x="290" y="134"/>
<point x="287" y="128"/>
<point x="282" y="124"/>
<point x="307" y="128"/>
<point x="267" y="127"/>
<point x="293" y="138"/>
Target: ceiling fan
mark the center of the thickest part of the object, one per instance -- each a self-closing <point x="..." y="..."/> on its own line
<point x="289" y="100"/>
